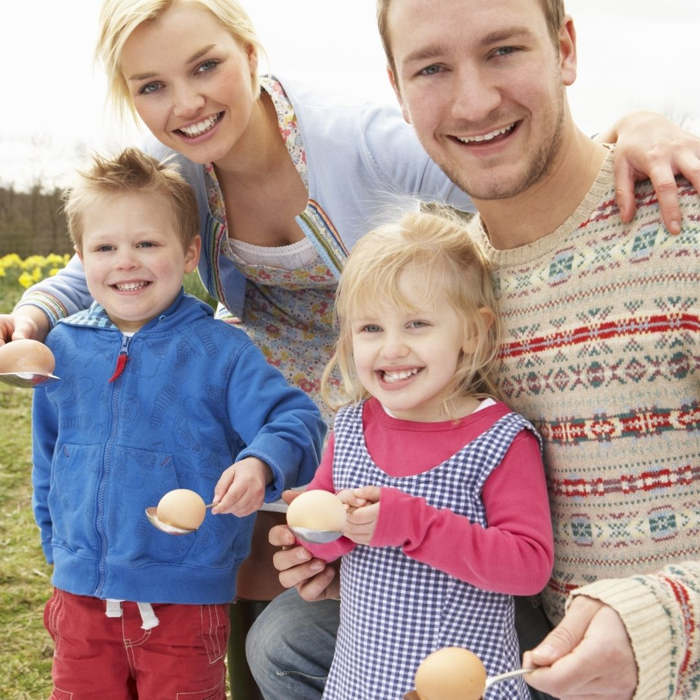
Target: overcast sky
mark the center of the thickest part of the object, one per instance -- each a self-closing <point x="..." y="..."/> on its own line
<point x="633" y="54"/>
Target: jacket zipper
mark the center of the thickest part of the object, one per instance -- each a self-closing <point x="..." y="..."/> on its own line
<point x="106" y="461"/>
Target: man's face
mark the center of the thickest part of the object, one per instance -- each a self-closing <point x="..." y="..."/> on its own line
<point x="483" y="84"/>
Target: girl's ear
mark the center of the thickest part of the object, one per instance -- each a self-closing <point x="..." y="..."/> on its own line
<point x="472" y="330"/>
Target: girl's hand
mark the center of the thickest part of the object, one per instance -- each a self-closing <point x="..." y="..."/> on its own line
<point x="362" y="518"/>
<point x="650" y="146"/>
<point x="241" y="488"/>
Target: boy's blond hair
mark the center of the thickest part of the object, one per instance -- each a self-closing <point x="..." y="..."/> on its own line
<point x="453" y="267"/>
<point x="119" y="19"/>
<point x="131" y="171"/>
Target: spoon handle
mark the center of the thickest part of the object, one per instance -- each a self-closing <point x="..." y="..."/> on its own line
<point x="504" y="676"/>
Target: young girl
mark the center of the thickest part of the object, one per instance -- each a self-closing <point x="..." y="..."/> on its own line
<point x="448" y="504"/>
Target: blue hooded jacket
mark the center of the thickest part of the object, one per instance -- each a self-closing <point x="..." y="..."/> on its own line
<point x="194" y="396"/>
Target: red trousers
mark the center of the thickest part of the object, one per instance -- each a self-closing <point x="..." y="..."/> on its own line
<point x="111" y="658"/>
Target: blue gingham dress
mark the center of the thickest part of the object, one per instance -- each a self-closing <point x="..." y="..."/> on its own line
<point x="395" y="610"/>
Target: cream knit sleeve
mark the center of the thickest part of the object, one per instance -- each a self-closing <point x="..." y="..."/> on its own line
<point x="662" y="615"/>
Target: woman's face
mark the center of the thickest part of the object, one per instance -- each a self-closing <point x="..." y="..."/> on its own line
<point x="191" y="82"/>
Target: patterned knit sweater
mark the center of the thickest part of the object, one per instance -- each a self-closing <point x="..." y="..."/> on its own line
<point x="601" y="354"/>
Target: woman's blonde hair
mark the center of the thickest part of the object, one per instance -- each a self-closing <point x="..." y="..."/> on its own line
<point x="119" y="19"/>
<point x="454" y="269"/>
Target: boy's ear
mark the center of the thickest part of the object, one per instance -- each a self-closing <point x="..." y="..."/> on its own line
<point x="192" y="253"/>
<point x="471" y="331"/>
<point x="78" y="253"/>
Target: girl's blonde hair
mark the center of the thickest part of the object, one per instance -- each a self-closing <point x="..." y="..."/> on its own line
<point x="454" y="269"/>
<point x="119" y="19"/>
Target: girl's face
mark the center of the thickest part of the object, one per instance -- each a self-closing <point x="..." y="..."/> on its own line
<point x="407" y="358"/>
<point x="191" y="82"/>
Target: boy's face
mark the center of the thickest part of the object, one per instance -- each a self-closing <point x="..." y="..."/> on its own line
<point x="133" y="258"/>
<point x="483" y="84"/>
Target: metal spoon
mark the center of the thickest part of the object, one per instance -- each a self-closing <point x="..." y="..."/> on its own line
<point x="315" y="536"/>
<point x="166" y="527"/>
<point x="27" y="380"/>
<point x="413" y="695"/>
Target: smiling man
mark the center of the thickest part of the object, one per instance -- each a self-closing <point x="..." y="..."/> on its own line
<point x="601" y="323"/>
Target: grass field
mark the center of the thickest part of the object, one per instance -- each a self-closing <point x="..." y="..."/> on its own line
<point x="25" y="659"/>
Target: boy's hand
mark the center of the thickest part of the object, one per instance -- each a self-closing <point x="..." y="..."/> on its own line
<point x="363" y="512"/>
<point x="241" y="488"/>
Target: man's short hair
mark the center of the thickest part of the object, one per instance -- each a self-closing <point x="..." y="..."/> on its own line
<point x="553" y="12"/>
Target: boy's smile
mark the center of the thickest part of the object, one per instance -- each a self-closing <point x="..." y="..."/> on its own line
<point x="133" y="257"/>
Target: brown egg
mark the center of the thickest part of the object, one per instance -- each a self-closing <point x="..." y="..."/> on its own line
<point x="451" y="673"/>
<point x="317" y="510"/>
<point x="26" y="356"/>
<point x="181" y="508"/>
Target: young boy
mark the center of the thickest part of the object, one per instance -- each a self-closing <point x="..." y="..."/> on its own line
<point x="154" y="395"/>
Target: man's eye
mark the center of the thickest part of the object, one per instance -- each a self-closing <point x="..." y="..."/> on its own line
<point x="504" y="50"/>
<point x="430" y="70"/>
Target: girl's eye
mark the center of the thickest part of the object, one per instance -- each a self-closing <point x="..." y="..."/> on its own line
<point x="150" y="88"/>
<point x="103" y="248"/>
<point x="370" y="328"/>
<point x="207" y="66"/>
<point x="417" y="324"/>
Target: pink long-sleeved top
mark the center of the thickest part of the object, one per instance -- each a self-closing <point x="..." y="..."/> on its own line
<point x="513" y="554"/>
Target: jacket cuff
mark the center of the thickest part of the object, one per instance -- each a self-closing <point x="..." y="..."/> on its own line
<point x="50" y="305"/>
<point x="648" y="629"/>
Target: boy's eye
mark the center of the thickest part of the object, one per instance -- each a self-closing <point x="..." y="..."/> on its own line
<point x="104" y="248"/>
<point x="417" y="323"/>
<point x="146" y="244"/>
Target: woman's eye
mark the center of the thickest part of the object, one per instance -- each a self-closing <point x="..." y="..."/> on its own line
<point x="207" y="66"/>
<point x="150" y="88"/>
